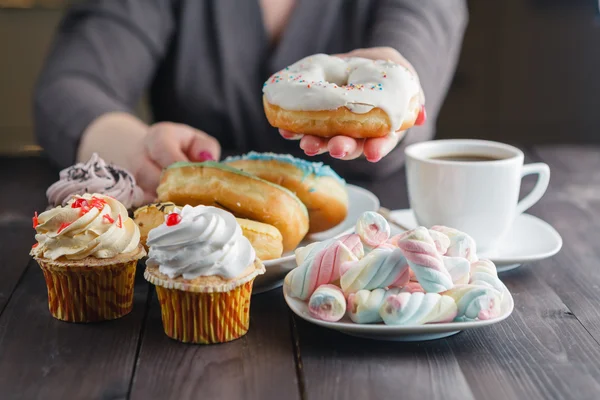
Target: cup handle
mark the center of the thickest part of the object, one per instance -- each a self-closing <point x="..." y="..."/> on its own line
<point x="543" y="172"/>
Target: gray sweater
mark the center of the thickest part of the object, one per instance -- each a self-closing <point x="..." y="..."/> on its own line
<point x="203" y="63"/>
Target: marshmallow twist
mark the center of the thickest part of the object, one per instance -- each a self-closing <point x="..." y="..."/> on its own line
<point x="372" y="228"/>
<point x="459" y="269"/>
<point x="442" y="242"/>
<point x="475" y="302"/>
<point x="363" y="306"/>
<point x="484" y="273"/>
<point x="351" y="241"/>
<point x="427" y="264"/>
<point x="317" y="266"/>
<point x="412" y="287"/>
<point x="461" y="244"/>
<point x="417" y="309"/>
<point x="327" y="303"/>
<point x="381" y="268"/>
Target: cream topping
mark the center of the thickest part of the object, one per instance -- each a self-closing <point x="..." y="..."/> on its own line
<point x="200" y="241"/>
<point x="89" y="225"/>
<point x="95" y="176"/>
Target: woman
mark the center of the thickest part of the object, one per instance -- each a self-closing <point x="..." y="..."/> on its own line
<point x="203" y="63"/>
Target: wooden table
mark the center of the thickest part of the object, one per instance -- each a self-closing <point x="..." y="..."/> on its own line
<point x="548" y="348"/>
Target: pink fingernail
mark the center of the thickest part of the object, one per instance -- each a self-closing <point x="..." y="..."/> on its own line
<point x="373" y="159"/>
<point x="311" y="153"/>
<point x="292" y="136"/>
<point x="339" y="155"/>
<point x="422" y="117"/>
<point x="205" y="156"/>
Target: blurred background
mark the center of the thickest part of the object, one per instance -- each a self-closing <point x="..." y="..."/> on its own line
<point x="528" y="71"/>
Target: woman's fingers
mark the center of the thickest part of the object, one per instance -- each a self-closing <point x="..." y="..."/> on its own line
<point x="203" y="147"/>
<point x="149" y="197"/>
<point x="377" y="148"/>
<point x="166" y="142"/>
<point x="290" y="135"/>
<point x="169" y="142"/>
<point x="313" y="145"/>
<point x="147" y="176"/>
<point x="345" y="148"/>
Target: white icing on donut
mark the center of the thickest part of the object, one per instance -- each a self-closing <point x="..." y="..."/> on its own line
<point x="323" y="82"/>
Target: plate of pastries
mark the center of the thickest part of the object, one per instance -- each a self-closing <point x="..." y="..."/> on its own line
<point x="280" y="202"/>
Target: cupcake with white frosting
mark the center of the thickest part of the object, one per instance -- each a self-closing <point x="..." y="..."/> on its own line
<point x="203" y="269"/>
<point x="88" y="251"/>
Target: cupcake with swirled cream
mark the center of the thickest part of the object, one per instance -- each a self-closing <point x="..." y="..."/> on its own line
<point x="95" y="176"/>
<point x="203" y="269"/>
<point x="88" y="251"/>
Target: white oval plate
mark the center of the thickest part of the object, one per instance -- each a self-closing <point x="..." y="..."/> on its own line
<point x="359" y="201"/>
<point x="400" y="333"/>
<point x="529" y="239"/>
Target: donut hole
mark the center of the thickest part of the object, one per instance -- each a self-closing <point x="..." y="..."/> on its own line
<point x="339" y="78"/>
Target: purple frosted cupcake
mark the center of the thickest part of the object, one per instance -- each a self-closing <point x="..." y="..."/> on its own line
<point x="95" y="176"/>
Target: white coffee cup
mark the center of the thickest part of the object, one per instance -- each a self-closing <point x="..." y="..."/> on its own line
<point x="480" y="198"/>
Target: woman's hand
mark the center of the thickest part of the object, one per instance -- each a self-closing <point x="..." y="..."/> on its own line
<point x="347" y="148"/>
<point x="143" y="150"/>
<point x="166" y="143"/>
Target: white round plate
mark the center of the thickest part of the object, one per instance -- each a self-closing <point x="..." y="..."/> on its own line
<point x="400" y="333"/>
<point x="529" y="239"/>
<point x="359" y="201"/>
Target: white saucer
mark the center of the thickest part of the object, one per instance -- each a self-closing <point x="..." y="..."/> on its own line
<point x="530" y="239"/>
<point x="408" y="333"/>
<point x="359" y="200"/>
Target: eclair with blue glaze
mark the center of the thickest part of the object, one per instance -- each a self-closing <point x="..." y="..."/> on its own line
<point x="316" y="185"/>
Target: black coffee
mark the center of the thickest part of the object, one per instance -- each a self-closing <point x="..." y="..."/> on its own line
<point x="466" y="157"/>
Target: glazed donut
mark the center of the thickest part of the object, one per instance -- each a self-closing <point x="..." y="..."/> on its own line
<point x="316" y="185"/>
<point x="327" y="96"/>
<point x="244" y="195"/>
<point x="264" y="238"/>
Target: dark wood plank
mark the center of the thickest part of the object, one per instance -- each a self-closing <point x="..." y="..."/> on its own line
<point x="337" y="366"/>
<point x="24" y="183"/>
<point x="260" y="365"/>
<point x="540" y="352"/>
<point x="41" y="357"/>
<point x="572" y="206"/>
<point x="14" y="256"/>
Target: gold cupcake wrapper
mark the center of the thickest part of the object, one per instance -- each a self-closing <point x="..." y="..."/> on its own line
<point x="89" y="294"/>
<point x="204" y="317"/>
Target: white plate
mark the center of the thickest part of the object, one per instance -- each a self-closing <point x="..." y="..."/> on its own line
<point x="359" y="201"/>
<point x="408" y="333"/>
<point x="529" y="239"/>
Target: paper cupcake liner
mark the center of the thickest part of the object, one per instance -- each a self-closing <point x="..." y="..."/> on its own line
<point x="89" y="294"/>
<point x="196" y="317"/>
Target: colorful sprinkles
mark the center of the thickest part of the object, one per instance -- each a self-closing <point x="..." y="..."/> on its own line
<point x="323" y="84"/>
